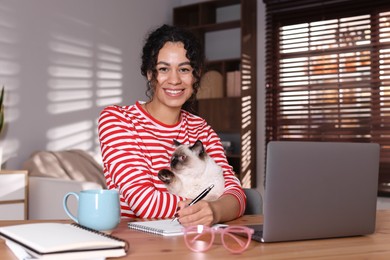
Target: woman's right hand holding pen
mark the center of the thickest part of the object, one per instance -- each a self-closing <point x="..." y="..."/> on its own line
<point x="208" y="212"/>
<point x="200" y="213"/>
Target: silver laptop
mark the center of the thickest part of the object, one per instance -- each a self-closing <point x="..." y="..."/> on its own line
<point x="319" y="190"/>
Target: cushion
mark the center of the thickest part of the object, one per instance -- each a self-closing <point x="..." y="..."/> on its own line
<point x="71" y="164"/>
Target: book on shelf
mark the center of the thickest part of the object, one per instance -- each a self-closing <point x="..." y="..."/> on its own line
<point x="233" y="83"/>
<point x="164" y="227"/>
<point x="211" y="85"/>
<point x="61" y="241"/>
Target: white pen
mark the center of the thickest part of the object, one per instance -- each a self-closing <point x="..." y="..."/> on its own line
<point x="199" y="197"/>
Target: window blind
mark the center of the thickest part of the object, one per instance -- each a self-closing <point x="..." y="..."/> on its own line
<point x="328" y="73"/>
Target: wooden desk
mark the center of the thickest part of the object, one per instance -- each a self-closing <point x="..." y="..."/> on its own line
<point x="147" y="246"/>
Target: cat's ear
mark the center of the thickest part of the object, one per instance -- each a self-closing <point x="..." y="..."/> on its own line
<point x="198" y="147"/>
<point x="176" y="143"/>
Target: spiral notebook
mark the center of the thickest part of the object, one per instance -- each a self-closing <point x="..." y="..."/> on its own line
<point x="164" y="227"/>
<point x="62" y="241"/>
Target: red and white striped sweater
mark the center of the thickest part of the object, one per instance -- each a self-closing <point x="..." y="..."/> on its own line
<point x="135" y="147"/>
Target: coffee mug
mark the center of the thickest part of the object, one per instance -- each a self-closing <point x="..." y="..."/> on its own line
<point x="97" y="209"/>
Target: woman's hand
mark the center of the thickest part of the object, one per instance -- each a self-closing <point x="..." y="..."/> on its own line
<point x="208" y="213"/>
<point x="200" y="213"/>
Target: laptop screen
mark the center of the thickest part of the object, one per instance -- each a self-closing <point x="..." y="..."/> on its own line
<point x="319" y="190"/>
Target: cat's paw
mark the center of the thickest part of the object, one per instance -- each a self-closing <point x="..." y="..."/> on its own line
<point x="166" y="176"/>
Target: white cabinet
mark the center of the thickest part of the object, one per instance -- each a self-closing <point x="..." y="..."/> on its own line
<point x="13" y="195"/>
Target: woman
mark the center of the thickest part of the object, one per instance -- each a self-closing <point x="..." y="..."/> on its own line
<point x="136" y="141"/>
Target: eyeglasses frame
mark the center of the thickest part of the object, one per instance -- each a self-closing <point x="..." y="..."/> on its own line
<point x="222" y="230"/>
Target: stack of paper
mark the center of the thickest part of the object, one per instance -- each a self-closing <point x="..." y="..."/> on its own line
<point x="61" y="241"/>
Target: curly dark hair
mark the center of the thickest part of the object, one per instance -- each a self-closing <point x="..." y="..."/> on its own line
<point x="156" y="40"/>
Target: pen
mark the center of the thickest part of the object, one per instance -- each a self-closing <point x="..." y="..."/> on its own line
<point x="199" y="197"/>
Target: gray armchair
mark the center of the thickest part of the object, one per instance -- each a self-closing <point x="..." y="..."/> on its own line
<point x="254" y="202"/>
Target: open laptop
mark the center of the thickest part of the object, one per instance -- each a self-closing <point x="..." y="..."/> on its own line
<point x="319" y="190"/>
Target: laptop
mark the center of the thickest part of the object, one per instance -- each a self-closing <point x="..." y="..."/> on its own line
<point x="316" y="190"/>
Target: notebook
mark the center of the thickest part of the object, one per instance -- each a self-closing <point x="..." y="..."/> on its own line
<point x="62" y="241"/>
<point x="164" y="227"/>
<point x="319" y="190"/>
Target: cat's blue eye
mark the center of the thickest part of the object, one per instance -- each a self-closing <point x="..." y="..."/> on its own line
<point x="183" y="157"/>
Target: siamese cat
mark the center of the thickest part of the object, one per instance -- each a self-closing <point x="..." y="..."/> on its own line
<point x="192" y="170"/>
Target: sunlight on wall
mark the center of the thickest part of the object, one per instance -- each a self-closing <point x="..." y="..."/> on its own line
<point x="9" y="75"/>
<point x="77" y="135"/>
<point x="109" y="76"/>
<point x="71" y="62"/>
<point x="84" y="75"/>
<point x="84" y="72"/>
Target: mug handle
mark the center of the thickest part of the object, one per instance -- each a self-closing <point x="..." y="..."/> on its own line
<point x="65" y="204"/>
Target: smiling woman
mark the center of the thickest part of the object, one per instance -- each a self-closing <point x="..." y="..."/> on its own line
<point x="137" y="141"/>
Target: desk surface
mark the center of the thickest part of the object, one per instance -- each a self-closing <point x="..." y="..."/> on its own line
<point x="149" y="246"/>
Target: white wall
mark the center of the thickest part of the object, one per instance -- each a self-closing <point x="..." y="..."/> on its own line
<point x="62" y="61"/>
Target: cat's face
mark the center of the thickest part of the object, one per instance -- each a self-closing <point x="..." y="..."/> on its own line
<point x="192" y="170"/>
<point x="188" y="157"/>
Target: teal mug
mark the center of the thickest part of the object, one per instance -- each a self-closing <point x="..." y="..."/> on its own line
<point x="97" y="209"/>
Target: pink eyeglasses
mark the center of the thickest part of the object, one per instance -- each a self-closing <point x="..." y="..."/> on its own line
<point x="200" y="238"/>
